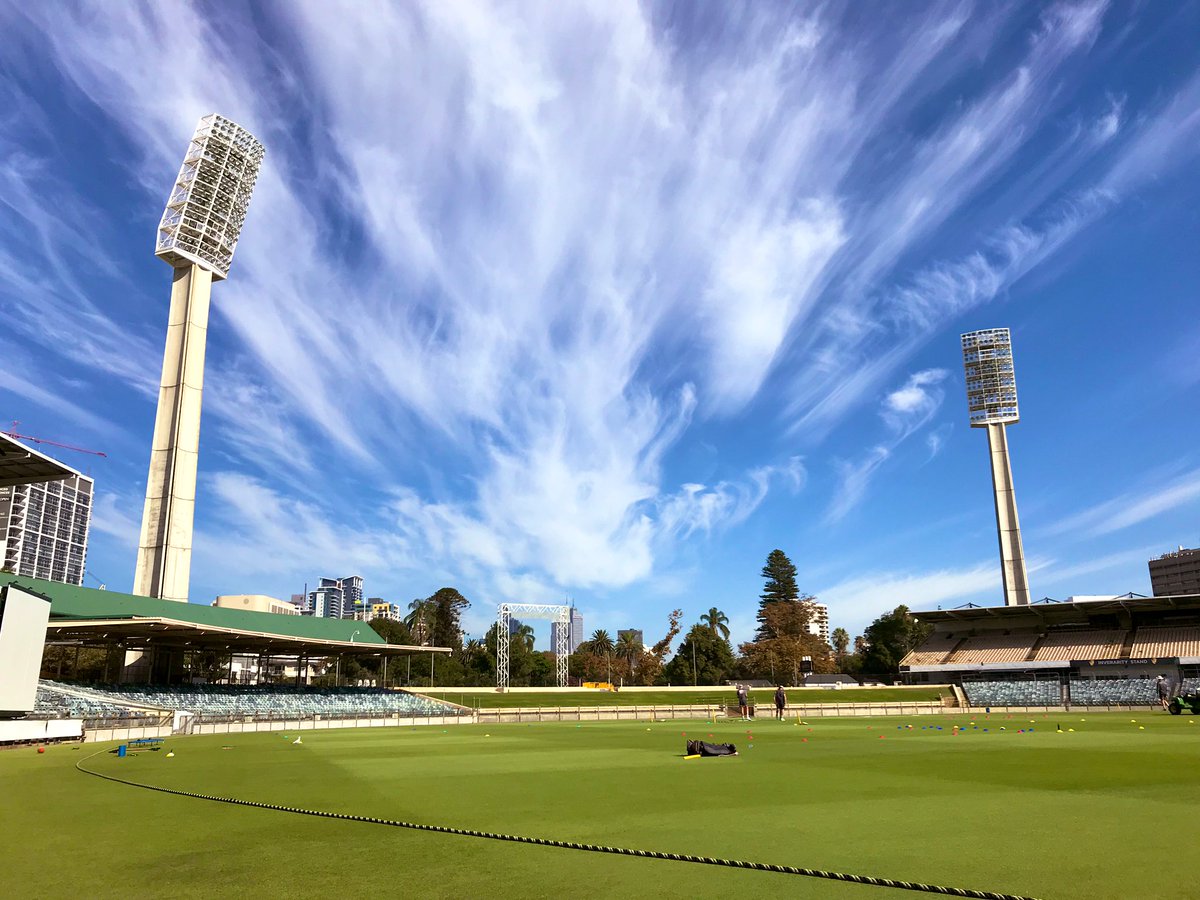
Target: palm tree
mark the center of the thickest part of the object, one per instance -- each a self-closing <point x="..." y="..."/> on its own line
<point x="841" y="641"/>
<point x="717" y="622"/>
<point x="602" y="644"/>
<point x="524" y="635"/>
<point x="629" y="649"/>
<point x="420" y="619"/>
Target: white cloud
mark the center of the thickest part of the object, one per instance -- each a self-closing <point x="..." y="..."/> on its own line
<point x="911" y="406"/>
<point x="530" y="251"/>
<point x="855" y="602"/>
<point x="1131" y="507"/>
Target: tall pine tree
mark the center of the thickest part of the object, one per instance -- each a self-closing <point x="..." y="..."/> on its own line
<point x="780" y="577"/>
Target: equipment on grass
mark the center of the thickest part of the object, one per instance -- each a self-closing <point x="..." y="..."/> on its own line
<point x="1190" y="702"/>
<point x="703" y="748"/>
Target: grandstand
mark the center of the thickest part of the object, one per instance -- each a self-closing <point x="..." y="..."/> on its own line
<point x="1094" y="653"/>
<point x="163" y="665"/>
<point x="261" y="701"/>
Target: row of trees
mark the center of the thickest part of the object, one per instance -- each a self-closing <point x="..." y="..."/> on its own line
<point x="782" y="642"/>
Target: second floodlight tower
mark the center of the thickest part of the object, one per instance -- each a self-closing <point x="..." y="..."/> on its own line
<point x="196" y="237"/>
<point x="992" y="401"/>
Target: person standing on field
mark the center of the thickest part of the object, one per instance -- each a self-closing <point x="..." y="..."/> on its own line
<point x="780" y="701"/>
<point x="1164" y="691"/>
<point x="743" y="702"/>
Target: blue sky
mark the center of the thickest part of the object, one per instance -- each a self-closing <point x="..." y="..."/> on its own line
<point x="608" y="301"/>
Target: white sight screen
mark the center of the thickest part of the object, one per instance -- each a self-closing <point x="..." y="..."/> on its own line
<point x="23" y="618"/>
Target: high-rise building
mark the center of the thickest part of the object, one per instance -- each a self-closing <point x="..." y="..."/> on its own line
<point x="1175" y="573"/>
<point x="44" y="528"/>
<point x="992" y="402"/>
<point x="196" y="237"/>
<point x="574" y="631"/>
<point x="818" y="621"/>
<point x="381" y="609"/>
<point x="337" y="598"/>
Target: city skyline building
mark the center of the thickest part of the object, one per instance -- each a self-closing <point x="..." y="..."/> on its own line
<point x="337" y="598"/>
<point x="635" y="633"/>
<point x="992" y="404"/>
<point x="45" y="527"/>
<point x="197" y="235"/>
<point x="574" y="631"/>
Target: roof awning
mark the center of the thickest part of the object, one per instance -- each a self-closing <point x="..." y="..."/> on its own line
<point x="134" y="633"/>
<point x="24" y="465"/>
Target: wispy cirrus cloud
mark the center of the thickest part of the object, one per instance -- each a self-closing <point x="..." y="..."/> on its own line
<point x="904" y="411"/>
<point x="500" y="271"/>
<point x="1131" y="507"/>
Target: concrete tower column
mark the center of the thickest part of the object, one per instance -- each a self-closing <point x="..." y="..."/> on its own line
<point x="165" y="548"/>
<point x="1008" y="527"/>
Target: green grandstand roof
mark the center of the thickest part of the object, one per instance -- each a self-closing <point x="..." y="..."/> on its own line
<point x="69" y="601"/>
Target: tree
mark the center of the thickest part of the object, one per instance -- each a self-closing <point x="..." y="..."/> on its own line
<point x="889" y="638"/>
<point x="717" y="622"/>
<point x="703" y="658"/>
<point x="841" y="641"/>
<point x="780" y="586"/>
<point x="602" y="644"/>
<point x="779" y="655"/>
<point x="524" y="635"/>
<point x="448" y="605"/>
<point x="629" y="651"/>
<point x="392" y="631"/>
<point x="650" y="666"/>
<point x="420" y="620"/>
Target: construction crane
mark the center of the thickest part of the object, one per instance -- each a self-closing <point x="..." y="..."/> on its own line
<point x="89" y="574"/>
<point x="12" y="433"/>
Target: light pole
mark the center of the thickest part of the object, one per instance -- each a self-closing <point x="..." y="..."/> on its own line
<point x="197" y="235"/>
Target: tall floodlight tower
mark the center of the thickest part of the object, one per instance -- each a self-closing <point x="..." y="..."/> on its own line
<point x="992" y="401"/>
<point x="196" y="237"/>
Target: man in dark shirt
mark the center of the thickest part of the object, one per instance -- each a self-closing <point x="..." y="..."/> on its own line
<point x="743" y="702"/>
<point x="780" y="701"/>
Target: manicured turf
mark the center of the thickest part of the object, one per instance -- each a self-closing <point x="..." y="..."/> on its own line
<point x="1106" y="811"/>
<point x="796" y="697"/>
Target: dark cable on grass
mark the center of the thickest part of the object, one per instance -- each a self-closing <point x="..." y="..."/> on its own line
<point x="572" y="845"/>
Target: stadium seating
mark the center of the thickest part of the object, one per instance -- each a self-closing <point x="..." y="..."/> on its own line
<point x="1113" y="692"/>
<point x="933" y="651"/>
<point x="52" y="701"/>
<point x="276" y="701"/>
<point x="993" y="648"/>
<point x="1013" y="693"/>
<point x="1067" y="645"/>
<point x="1157" y="642"/>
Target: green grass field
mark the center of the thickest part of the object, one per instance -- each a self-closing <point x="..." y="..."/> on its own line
<point x="1106" y="811"/>
<point x="796" y="696"/>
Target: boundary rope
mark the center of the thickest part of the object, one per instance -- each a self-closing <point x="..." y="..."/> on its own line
<point x="572" y="845"/>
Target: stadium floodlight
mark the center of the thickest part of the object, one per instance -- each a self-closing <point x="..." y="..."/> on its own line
<point x="197" y="235"/>
<point x="992" y="402"/>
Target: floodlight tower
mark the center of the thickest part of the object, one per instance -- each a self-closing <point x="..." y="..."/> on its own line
<point x="992" y="401"/>
<point x="196" y="237"/>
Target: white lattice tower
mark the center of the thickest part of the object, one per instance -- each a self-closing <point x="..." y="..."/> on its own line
<point x="562" y="640"/>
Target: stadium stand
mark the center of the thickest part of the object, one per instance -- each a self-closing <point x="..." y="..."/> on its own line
<point x="934" y="651"/>
<point x="1094" y="644"/>
<point x="1113" y="692"/>
<point x="276" y="701"/>
<point x="982" y="649"/>
<point x="1046" y="692"/>
<point x="54" y="702"/>
<point x="1155" y="642"/>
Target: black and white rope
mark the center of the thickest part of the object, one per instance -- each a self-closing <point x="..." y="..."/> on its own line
<point x="573" y="845"/>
